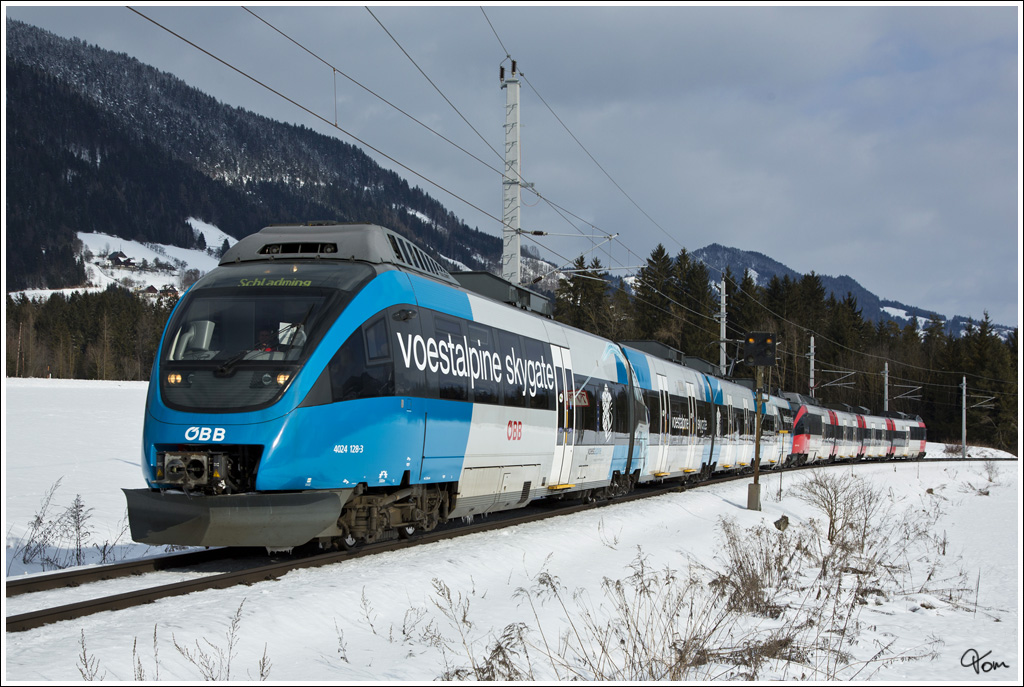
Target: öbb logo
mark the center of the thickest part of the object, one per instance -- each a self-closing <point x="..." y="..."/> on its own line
<point x="204" y="434"/>
<point x="514" y="431"/>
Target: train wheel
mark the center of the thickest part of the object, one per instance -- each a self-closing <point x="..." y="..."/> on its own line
<point x="406" y="531"/>
<point x="349" y="542"/>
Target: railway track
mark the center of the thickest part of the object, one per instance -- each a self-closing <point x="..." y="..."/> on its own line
<point x="249" y="566"/>
<point x="258" y="571"/>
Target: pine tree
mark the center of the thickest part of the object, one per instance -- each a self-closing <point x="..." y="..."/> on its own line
<point x="652" y="302"/>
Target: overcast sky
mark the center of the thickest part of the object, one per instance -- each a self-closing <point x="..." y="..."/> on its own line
<point x="878" y="142"/>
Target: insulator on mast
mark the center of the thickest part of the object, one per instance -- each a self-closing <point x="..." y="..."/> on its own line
<point x="501" y="75"/>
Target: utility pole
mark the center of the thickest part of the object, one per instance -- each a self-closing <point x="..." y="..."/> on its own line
<point x="721" y="329"/>
<point x="511" y="189"/>
<point x="812" y="366"/>
<point x="963" y="422"/>
<point x="885" y="403"/>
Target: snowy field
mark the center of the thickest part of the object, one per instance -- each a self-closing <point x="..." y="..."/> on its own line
<point x="937" y="584"/>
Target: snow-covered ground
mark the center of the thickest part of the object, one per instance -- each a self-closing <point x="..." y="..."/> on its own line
<point x="945" y="591"/>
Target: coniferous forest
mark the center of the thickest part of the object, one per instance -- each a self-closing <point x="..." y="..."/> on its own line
<point x="673" y="302"/>
<point x="114" y="335"/>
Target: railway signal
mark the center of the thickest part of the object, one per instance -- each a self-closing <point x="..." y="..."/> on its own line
<point x="759" y="349"/>
<point x="759" y="352"/>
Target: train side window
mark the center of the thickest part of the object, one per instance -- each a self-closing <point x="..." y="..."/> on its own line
<point x="677" y="421"/>
<point x="585" y="410"/>
<point x="410" y="380"/>
<point x="654" y="408"/>
<point x="620" y="417"/>
<point x="486" y="384"/>
<point x="683" y="413"/>
<point x="377" y="347"/>
<point x="452" y="373"/>
<point x="515" y="390"/>
<point x="538" y="393"/>
<point x="353" y="376"/>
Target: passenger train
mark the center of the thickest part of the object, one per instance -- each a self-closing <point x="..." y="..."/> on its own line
<point x="333" y="384"/>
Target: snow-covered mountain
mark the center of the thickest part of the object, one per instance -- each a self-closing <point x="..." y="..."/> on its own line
<point x="98" y="142"/>
<point x="762" y="269"/>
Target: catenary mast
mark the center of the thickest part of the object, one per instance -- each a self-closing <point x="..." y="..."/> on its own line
<point x="511" y="190"/>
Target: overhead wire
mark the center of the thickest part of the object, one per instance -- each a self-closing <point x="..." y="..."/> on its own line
<point x="316" y="115"/>
<point x="374" y="93"/>
<point x="413" y="118"/>
<point x="673" y="238"/>
<point x="431" y="82"/>
<point x="474" y="206"/>
<point x="737" y="285"/>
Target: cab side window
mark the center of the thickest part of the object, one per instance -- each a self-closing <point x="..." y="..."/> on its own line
<point x="362" y="367"/>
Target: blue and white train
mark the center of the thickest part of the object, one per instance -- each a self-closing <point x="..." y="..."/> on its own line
<point x="334" y="384"/>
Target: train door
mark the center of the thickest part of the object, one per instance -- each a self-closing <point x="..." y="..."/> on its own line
<point x="861" y="437"/>
<point x="693" y="438"/>
<point x="729" y="434"/>
<point x="769" y="448"/>
<point x="566" y="436"/>
<point x="660" y="458"/>
<point x="747" y="431"/>
<point x="830" y="431"/>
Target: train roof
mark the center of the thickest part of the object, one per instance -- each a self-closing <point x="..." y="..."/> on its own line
<point x="335" y="241"/>
<point x="497" y="289"/>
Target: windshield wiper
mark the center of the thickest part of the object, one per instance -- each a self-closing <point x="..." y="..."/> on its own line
<point x="228" y="368"/>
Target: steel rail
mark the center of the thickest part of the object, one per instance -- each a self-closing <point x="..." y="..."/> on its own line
<point x="273" y="571"/>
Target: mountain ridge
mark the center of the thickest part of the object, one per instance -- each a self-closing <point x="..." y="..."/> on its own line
<point x="100" y="142"/>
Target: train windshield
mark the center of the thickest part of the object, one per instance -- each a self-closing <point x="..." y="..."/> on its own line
<point x="244" y="331"/>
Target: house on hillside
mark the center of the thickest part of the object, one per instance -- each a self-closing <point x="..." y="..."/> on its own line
<point x="119" y="259"/>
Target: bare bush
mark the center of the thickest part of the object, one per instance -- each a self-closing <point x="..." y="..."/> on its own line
<point x="829" y="492"/>
<point x="59" y="540"/>
<point x="214" y="661"/>
<point x="755" y="562"/>
<point x="991" y="471"/>
<point x="88" y="666"/>
<point x="140" y="673"/>
<point x="760" y="612"/>
<point x="655" y="624"/>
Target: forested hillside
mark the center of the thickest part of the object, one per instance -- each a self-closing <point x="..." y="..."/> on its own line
<point x="97" y="141"/>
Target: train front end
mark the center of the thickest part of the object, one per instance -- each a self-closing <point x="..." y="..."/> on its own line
<point x="232" y="409"/>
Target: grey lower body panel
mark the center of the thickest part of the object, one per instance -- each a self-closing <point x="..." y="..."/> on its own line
<point x="273" y="520"/>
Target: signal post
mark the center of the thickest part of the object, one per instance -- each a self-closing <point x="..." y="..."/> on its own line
<point x="759" y="351"/>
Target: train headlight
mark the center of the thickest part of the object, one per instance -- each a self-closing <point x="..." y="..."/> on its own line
<point x="178" y="379"/>
<point x="281" y="378"/>
<point x="174" y="378"/>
